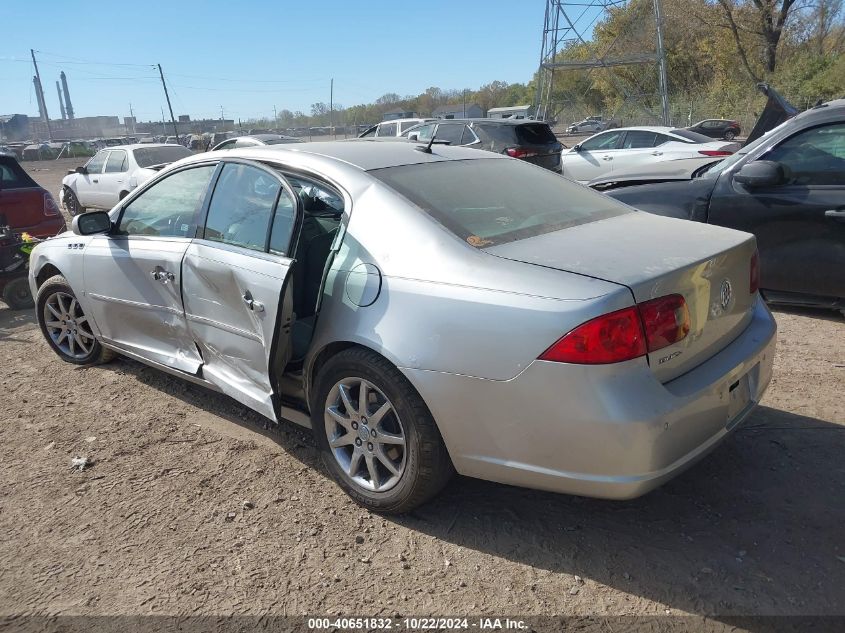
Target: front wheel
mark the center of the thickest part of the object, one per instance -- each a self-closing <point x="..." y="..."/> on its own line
<point x="65" y="325"/>
<point x="72" y="203"/>
<point x="377" y="438"/>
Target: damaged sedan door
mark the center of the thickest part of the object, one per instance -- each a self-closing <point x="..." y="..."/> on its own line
<point x="236" y="290"/>
<point x="133" y="273"/>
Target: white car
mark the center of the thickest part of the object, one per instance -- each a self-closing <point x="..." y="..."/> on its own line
<point x="623" y="148"/>
<point x="394" y="128"/>
<point x="113" y="172"/>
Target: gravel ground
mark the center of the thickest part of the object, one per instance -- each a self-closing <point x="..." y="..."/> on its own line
<point x="191" y="506"/>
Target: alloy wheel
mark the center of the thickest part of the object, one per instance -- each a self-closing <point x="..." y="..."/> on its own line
<point x="365" y="434"/>
<point x="68" y="326"/>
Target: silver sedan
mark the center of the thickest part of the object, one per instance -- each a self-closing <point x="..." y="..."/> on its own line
<point x="424" y="310"/>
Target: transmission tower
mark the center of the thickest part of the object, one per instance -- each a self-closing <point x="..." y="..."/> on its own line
<point x="568" y="47"/>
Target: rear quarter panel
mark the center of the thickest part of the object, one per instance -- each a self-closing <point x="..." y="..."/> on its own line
<point x="686" y="199"/>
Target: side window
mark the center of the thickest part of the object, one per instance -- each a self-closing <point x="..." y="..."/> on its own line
<point x="386" y="129"/>
<point x="242" y="206"/>
<point x="168" y="208"/>
<point x="450" y="132"/>
<point x="227" y="145"/>
<point x="369" y="133"/>
<point x="244" y="142"/>
<point x="468" y="136"/>
<point x="116" y="162"/>
<point x="95" y="165"/>
<point x="425" y="131"/>
<point x="815" y="156"/>
<point x="322" y="208"/>
<point x="659" y="139"/>
<point x="638" y="139"/>
<point x="604" y="141"/>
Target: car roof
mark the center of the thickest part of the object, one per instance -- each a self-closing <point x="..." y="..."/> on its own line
<point x="404" y="120"/>
<point x="364" y="153"/>
<point x="493" y="121"/>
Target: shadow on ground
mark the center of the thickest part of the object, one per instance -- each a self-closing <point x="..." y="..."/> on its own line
<point x="753" y="529"/>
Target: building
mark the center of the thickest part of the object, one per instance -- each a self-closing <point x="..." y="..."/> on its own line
<point x="79" y="127"/>
<point x="399" y="113"/>
<point x="458" y="111"/>
<point x="512" y="112"/>
<point x="14" y="127"/>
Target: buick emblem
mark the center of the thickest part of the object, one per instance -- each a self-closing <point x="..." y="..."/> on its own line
<point x="725" y="294"/>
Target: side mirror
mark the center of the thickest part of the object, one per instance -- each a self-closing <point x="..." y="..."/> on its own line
<point x="761" y="173"/>
<point x="91" y="223"/>
<point x="81" y="170"/>
<point x="414" y="136"/>
<point x="577" y="148"/>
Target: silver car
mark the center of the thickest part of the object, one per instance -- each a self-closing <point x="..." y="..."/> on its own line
<point x="424" y="310"/>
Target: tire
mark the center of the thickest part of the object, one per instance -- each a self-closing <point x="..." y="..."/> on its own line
<point x="729" y="136"/>
<point x="55" y="302"/>
<point x="422" y="461"/>
<point x="72" y="203"/>
<point x="16" y="294"/>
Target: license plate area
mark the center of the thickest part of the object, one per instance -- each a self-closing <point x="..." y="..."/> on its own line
<point x="739" y="399"/>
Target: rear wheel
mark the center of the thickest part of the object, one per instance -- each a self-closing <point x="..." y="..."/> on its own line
<point x="72" y="203"/>
<point x="376" y="436"/>
<point x="65" y="325"/>
<point x="730" y="135"/>
<point x="16" y="294"/>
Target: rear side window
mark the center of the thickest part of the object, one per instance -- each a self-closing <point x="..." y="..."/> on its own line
<point x="388" y="129"/>
<point x="535" y="134"/>
<point x="450" y="133"/>
<point x="116" y="162"/>
<point x="242" y="206"/>
<point x="637" y="139"/>
<point x="492" y="201"/>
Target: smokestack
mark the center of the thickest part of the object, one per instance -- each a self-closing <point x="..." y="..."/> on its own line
<point x="68" y="105"/>
<point x="39" y="96"/>
<point x="61" y="103"/>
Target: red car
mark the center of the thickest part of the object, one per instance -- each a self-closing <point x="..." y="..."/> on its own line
<point x="24" y="206"/>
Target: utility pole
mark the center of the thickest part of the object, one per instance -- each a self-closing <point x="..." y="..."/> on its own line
<point x="41" y="92"/>
<point x="661" y="62"/>
<point x="275" y="118"/>
<point x="465" y="103"/>
<point x="163" y="128"/>
<point x="331" y="106"/>
<point x="169" y="107"/>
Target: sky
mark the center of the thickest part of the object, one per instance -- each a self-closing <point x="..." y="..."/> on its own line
<point x="247" y="56"/>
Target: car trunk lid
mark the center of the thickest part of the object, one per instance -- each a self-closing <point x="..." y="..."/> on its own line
<point x="654" y="257"/>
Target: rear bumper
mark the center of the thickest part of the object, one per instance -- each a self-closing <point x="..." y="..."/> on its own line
<point x="611" y="431"/>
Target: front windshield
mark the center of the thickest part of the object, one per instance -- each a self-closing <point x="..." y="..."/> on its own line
<point x="149" y="156"/>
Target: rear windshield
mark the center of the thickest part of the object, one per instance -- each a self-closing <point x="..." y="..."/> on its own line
<point x="12" y="175"/>
<point x="149" y="156"/>
<point x="535" y="134"/>
<point x="692" y="137"/>
<point x="494" y="201"/>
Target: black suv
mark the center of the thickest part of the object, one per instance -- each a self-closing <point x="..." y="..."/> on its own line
<point x="532" y="141"/>
<point x="717" y="128"/>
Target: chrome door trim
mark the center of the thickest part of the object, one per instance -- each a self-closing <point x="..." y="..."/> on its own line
<point x="223" y="326"/>
<point x="135" y="304"/>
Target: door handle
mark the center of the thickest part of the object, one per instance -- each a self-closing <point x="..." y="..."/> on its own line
<point x="252" y="304"/>
<point x="163" y="276"/>
<point x="657" y="153"/>
<point x="607" y="157"/>
<point x="835" y="214"/>
<point x="95" y="180"/>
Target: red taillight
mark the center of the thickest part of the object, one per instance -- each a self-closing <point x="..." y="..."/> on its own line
<point x="610" y="338"/>
<point x="518" y="152"/>
<point x="624" y="334"/>
<point x="714" y="152"/>
<point x="665" y="320"/>
<point x="754" y="284"/>
<point x="50" y="206"/>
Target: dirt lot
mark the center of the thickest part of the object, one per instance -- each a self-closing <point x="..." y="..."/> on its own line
<point x="191" y="507"/>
